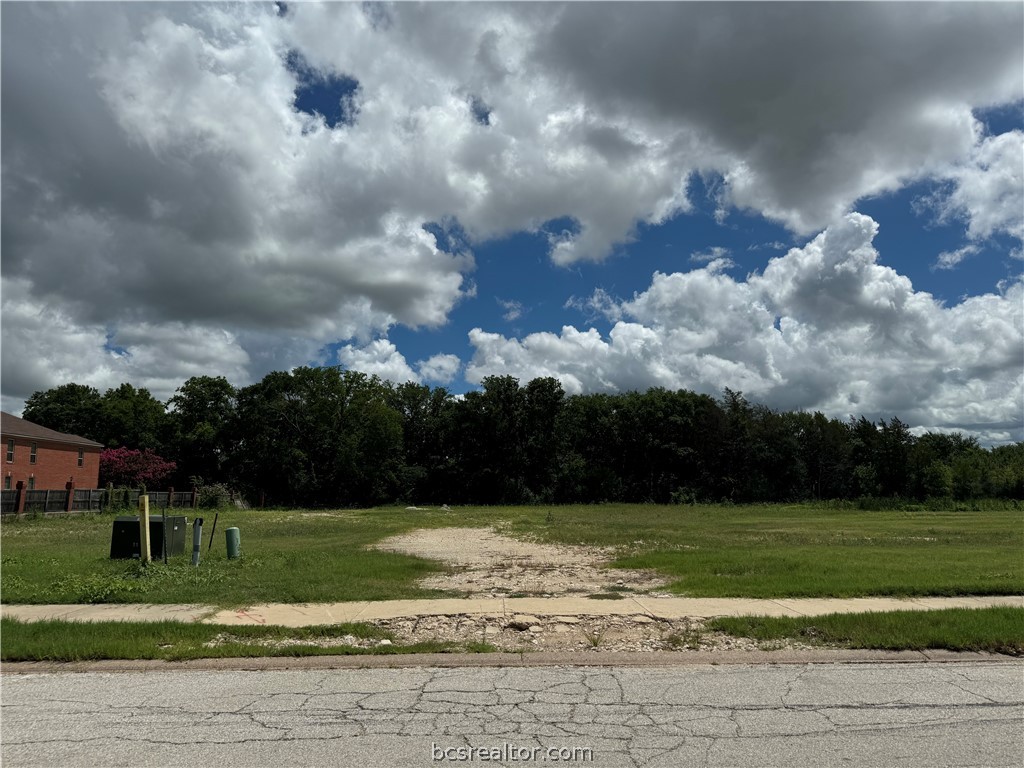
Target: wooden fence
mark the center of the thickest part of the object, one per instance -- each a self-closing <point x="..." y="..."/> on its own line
<point x="68" y="501"/>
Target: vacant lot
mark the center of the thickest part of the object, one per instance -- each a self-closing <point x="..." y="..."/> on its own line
<point x="312" y="556"/>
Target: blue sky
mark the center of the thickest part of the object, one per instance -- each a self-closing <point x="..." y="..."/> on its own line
<point x="820" y="205"/>
<point x="911" y="239"/>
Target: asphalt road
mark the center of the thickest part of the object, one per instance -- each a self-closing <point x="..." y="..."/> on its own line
<point x="873" y="714"/>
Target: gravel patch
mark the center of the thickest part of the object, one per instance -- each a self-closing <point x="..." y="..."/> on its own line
<point x="483" y="562"/>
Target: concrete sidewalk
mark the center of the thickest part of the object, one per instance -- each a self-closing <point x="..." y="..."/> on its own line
<point x="309" y="614"/>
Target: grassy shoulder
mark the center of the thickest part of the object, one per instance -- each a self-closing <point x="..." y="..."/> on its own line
<point x="177" y="641"/>
<point x="996" y="630"/>
<point x="702" y="551"/>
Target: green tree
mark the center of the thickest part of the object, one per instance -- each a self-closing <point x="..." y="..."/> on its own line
<point x="737" y="446"/>
<point x="544" y="401"/>
<point x="969" y="475"/>
<point x="936" y="480"/>
<point x="777" y="471"/>
<point x="864" y="457"/>
<point x="931" y="460"/>
<point x="426" y="439"/>
<point x="825" y="450"/>
<point x="1006" y="471"/>
<point x="317" y="436"/>
<point x="589" y="464"/>
<point x="489" y="441"/>
<point x="72" y="408"/>
<point x="892" y="457"/>
<point x="198" y="424"/>
<point x="132" y="418"/>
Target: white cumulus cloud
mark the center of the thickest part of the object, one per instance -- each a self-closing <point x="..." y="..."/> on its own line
<point x="160" y="183"/>
<point x="989" y="190"/>
<point x="378" y="358"/>
<point x="823" y="327"/>
<point x="950" y="259"/>
<point x="439" y="369"/>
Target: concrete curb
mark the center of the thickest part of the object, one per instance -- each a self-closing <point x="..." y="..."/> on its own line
<point x="536" y="659"/>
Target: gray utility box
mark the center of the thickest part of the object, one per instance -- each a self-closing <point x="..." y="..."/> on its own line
<point x="125" y="541"/>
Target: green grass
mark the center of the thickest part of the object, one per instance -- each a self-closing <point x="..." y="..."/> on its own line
<point x="804" y="551"/>
<point x="286" y="557"/>
<point x="997" y="630"/>
<point x="714" y="551"/>
<point x="176" y="641"/>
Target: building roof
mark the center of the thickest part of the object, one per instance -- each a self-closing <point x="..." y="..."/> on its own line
<point x="12" y="426"/>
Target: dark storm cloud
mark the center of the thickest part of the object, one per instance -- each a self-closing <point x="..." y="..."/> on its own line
<point x="804" y="93"/>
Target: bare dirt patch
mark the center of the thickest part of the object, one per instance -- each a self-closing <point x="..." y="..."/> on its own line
<point x="483" y="562"/>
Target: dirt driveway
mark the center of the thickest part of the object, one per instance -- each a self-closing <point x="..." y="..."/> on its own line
<point x="483" y="562"/>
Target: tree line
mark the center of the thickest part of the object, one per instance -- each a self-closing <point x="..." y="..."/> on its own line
<point x="327" y="437"/>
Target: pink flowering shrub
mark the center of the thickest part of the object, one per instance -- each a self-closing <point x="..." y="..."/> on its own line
<point x="132" y="468"/>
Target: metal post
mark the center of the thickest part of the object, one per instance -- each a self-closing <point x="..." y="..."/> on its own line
<point x="213" y="530"/>
<point x="197" y="539"/>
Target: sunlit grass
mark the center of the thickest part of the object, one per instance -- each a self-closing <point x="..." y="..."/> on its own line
<point x="997" y="630"/>
<point x="321" y="556"/>
<point x="175" y="641"/>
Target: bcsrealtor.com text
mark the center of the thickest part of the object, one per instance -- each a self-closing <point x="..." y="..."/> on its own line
<point x="510" y="753"/>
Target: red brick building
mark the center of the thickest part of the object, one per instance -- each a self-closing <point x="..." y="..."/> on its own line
<point x="46" y="459"/>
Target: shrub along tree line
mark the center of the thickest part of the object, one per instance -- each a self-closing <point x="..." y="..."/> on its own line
<point x="324" y="436"/>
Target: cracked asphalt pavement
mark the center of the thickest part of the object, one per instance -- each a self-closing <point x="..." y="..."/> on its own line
<point x="870" y="714"/>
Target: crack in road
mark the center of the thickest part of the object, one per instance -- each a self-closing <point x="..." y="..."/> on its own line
<point x="633" y="717"/>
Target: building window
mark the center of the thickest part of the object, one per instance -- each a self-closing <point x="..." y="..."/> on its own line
<point x="7" y="483"/>
<point x="10" y="450"/>
<point x="81" y="458"/>
<point x="31" y="482"/>
<point x="32" y="454"/>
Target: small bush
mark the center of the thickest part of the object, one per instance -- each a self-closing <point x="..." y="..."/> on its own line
<point x="214" y="495"/>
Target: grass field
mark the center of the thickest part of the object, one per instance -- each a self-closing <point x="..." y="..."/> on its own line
<point x="753" y="551"/>
<point x="311" y="556"/>
<point x="996" y="630"/>
<point x="175" y="641"/>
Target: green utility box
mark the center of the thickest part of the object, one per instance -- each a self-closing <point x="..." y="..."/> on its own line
<point x="125" y="541"/>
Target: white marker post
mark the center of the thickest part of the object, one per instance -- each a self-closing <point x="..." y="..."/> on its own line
<point x="144" y="552"/>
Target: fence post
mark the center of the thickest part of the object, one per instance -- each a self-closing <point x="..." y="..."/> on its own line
<point x="19" y="503"/>
<point x="195" y="497"/>
<point x="144" y="551"/>
<point x="69" y="502"/>
<point x="170" y="497"/>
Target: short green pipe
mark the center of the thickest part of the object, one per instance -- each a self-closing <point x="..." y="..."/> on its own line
<point x="234" y="543"/>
